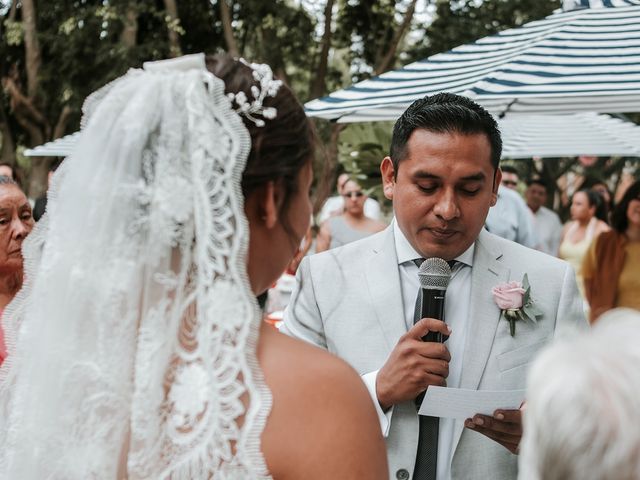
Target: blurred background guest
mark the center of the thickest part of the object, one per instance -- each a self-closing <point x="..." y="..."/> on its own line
<point x="611" y="268"/>
<point x="598" y="185"/>
<point x="353" y="224"/>
<point x="510" y="218"/>
<point x="16" y="222"/>
<point x="583" y="409"/>
<point x="335" y="205"/>
<point x="547" y="224"/>
<point x="510" y="177"/>
<point x="581" y="230"/>
<point x="601" y="188"/>
<point x="6" y="170"/>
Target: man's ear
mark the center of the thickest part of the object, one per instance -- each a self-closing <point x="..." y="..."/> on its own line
<point x="496" y="183"/>
<point x="388" y="177"/>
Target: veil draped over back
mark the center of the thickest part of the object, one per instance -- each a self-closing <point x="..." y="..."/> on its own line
<point x="132" y="344"/>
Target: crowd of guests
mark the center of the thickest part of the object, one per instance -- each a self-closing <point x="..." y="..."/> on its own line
<point x="600" y="240"/>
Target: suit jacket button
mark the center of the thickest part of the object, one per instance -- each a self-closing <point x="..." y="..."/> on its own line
<point x="402" y="474"/>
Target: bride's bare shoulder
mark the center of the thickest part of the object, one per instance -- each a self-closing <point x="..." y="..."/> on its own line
<point x="304" y="370"/>
<point x="321" y="414"/>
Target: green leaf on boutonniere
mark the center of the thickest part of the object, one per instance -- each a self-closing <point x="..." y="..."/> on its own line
<point x="527" y="290"/>
<point x="535" y="311"/>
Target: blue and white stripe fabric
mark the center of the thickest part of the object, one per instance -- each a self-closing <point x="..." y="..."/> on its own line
<point x="586" y="59"/>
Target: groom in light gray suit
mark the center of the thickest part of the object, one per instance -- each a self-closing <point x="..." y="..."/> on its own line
<point x="358" y="301"/>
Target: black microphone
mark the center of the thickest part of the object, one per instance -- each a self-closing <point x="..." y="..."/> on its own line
<point x="434" y="276"/>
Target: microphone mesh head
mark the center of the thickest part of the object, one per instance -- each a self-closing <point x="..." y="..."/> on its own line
<point x="434" y="273"/>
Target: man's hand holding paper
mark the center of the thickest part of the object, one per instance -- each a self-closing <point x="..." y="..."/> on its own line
<point x="494" y="414"/>
<point x="504" y="427"/>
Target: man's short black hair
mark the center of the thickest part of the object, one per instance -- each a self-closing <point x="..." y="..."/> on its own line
<point x="510" y="169"/>
<point x="537" y="181"/>
<point x="444" y="113"/>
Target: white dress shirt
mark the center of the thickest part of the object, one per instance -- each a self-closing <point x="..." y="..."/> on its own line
<point x="456" y="311"/>
<point x="549" y="230"/>
<point x="510" y="218"/>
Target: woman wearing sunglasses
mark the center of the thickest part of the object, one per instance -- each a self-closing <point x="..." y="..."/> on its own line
<point x="352" y="224"/>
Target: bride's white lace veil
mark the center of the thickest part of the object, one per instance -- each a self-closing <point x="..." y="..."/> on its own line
<point x="134" y="337"/>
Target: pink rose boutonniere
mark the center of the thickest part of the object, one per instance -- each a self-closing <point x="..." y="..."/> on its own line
<point x="514" y="299"/>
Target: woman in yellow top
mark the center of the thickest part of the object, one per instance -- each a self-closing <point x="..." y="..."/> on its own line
<point x="611" y="268"/>
<point x="583" y="228"/>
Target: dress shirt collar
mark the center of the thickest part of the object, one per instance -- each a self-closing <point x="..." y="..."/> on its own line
<point x="406" y="253"/>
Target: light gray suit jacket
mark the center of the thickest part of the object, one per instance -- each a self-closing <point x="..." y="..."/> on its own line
<point x="348" y="301"/>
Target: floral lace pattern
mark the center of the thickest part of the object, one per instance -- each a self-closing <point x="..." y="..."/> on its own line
<point x="143" y="304"/>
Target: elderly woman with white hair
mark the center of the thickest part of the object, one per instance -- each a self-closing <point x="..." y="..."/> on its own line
<point x="583" y="411"/>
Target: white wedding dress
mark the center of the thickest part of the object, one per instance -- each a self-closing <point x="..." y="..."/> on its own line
<point x="132" y="344"/>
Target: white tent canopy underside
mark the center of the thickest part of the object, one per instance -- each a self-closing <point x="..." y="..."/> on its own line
<point x="569" y="135"/>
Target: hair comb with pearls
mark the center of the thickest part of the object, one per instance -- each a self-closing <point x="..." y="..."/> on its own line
<point x="269" y="86"/>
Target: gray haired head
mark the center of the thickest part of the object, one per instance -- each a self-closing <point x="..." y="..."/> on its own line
<point x="434" y="273"/>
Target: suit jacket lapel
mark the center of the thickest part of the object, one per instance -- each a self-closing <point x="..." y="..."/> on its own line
<point x="484" y="315"/>
<point x="383" y="281"/>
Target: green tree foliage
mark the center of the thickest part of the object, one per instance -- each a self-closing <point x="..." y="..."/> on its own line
<point x="367" y="30"/>
<point x="361" y="148"/>
<point x="464" y="21"/>
<point x="279" y="34"/>
<point x="81" y="45"/>
<point x="84" y="44"/>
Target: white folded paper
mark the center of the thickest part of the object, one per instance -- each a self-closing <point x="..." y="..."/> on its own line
<point x="461" y="403"/>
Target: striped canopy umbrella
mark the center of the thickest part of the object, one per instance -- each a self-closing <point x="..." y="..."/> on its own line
<point x="586" y="133"/>
<point x="586" y="59"/>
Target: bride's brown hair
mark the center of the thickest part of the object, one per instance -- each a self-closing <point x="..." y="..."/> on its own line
<point x="283" y="145"/>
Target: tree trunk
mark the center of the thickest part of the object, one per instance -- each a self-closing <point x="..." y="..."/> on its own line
<point x="173" y="21"/>
<point x="332" y="149"/>
<point x="386" y="61"/>
<point x="230" y="39"/>
<point x="63" y="120"/>
<point x="38" y="176"/>
<point x="25" y="113"/>
<point x="8" y="149"/>
<point x="318" y="84"/>
<point x="129" y="34"/>
<point x="281" y="74"/>
<point x="31" y="46"/>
